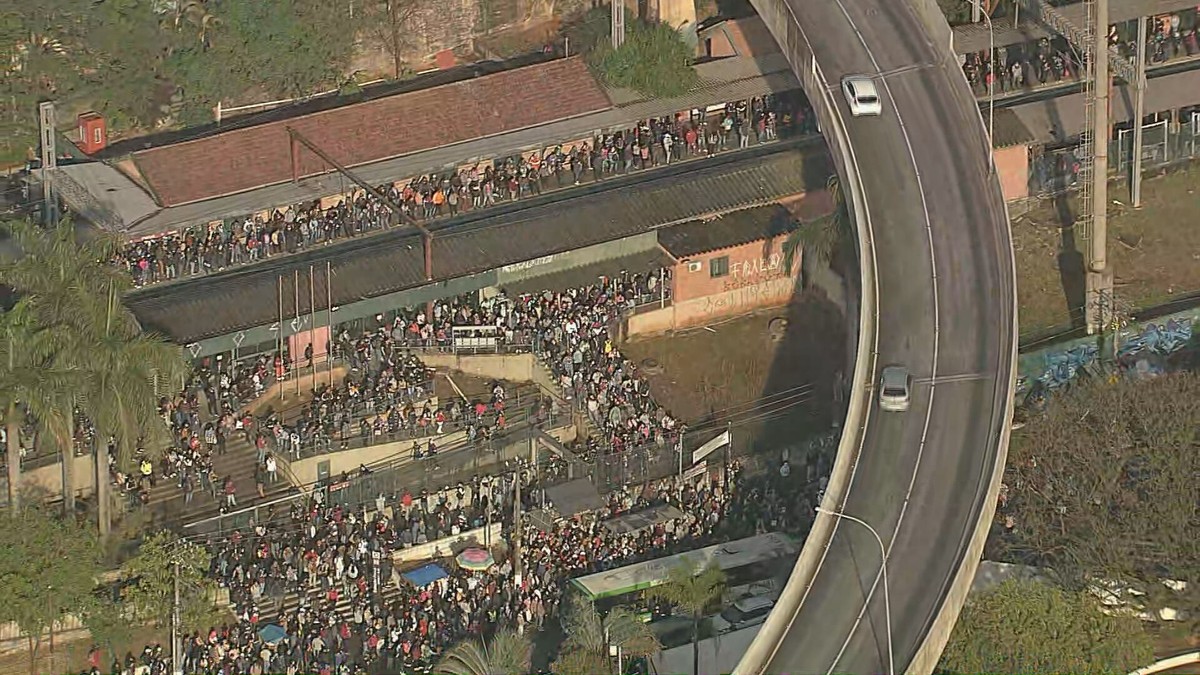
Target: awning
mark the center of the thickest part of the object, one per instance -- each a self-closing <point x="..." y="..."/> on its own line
<point x="572" y="497"/>
<point x="641" y="520"/>
<point x="423" y="576"/>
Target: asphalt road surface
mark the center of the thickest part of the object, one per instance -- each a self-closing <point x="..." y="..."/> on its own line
<point x="945" y="311"/>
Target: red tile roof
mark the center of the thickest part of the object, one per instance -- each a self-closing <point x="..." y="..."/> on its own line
<point x="367" y="132"/>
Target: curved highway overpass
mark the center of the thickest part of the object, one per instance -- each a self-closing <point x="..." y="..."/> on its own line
<point x="937" y="257"/>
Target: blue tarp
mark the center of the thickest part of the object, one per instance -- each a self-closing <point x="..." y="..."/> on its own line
<point x="272" y="633"/>
<point x="423" y="576"/>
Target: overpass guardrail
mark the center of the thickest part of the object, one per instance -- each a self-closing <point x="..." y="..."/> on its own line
<point x="799" y="53"/>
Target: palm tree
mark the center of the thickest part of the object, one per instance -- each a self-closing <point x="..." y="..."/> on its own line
<point x="507" y="653"/>
<point x="693" y="592"/>
<point x="120" y="370"/>
<point x="120" y="397"/>
<point x="65" y="277"/>
<point x="580" y="662"/>
<point x="620" y="628"/>
<point x="69" y="283"/>
<point x="59" y="275"/>
<point x="28" y="383"/>
<point x="822" y="237"/>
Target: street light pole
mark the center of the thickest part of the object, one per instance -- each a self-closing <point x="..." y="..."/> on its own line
<point x="991" y="87"/>
<point x="176" y="651"/>
<point x="887" y="595"/>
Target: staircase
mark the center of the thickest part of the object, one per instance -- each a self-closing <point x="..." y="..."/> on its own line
<point x="583" y="424"/>
<point x="269" y="611"/>
<point x="239" y="461"/>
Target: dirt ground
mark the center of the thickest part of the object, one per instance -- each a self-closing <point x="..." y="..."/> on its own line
<point x="734" y="372"/>
<point x="1154" y="251"/>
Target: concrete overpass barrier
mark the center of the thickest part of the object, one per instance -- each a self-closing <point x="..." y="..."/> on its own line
<point x="796" y="48"/>
<point x="931" y="16"/>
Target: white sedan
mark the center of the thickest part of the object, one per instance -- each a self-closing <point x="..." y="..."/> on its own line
<point x="861" y="95"/>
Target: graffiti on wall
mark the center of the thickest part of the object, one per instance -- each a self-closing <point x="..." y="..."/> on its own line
<point x="1060" y="367"/>
<point x="1161" y="339"/>
<point x="747" y="273"/>
<point x="1136" y="352"/>
<point x="744" y="298"/>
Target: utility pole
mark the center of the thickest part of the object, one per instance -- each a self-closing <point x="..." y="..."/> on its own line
<point x="1139" y="111"/>
<point x="1099" y="278"/>
<point x="176" y="651"/>
<point x="517" y="526"/>
<point x="49" y="159"/>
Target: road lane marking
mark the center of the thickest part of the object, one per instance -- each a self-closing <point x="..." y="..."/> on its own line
<point x="951" y="379"/>
<point x="903" y="70"/>
<point x="934" y="375"/>
<point x="838" y="121"/>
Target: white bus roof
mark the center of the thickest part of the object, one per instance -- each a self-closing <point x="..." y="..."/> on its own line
<point x="728" y="556"/>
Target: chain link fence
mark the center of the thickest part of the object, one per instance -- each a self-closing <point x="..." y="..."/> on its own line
<point x="1055" y="172"/>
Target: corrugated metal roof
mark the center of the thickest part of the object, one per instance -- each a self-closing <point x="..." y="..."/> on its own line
<point x="394" y="261"/>
<point x="1063" y="117"/>
<point x="644" y="261"/>
<point x="730" y="229"/>
<point x="1010" y="130"/>
<point x="358" y="134"/>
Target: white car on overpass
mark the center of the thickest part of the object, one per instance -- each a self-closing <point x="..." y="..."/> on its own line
<point x="861" y="96"/>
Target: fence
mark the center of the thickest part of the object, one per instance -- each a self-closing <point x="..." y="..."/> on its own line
<point x="1053" y="173"/>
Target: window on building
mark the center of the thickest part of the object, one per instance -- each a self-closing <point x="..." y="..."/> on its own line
<point x="718" y="267"/>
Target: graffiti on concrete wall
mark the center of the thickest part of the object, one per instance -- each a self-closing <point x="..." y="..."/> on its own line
<point x="1060" y="367"/>
<point x="1138" y="351"/>
<point x="756" y="267"/>
<point x="748" y="273"/>
<point x="1161" y="339"/>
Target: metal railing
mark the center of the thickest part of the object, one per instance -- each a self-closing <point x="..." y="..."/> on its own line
<point x="1058" y="171"/>
<point x="321" y="443"/>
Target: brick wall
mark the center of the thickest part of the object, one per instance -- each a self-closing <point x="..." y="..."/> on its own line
<point x="730" y="269"/>
<point x="728" y="282"/>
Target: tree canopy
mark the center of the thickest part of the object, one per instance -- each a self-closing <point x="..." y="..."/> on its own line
<point x="151" y="596"/>
<point x="1033" y="628"/>
<point x="69" y="290"/>
<point x="693" y="591"/>
<point x="48" y="568"/>
<point x="287" y="48"/>
<point x="143" y="61"/>
<point x="506" y="653"/>
<point x="1102" y="488"/>
<point x="589" y="636"/>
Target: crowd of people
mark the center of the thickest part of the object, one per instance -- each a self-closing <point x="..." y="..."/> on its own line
<point x="390" y="399"/>
<point x="653" y="142"/>
<point x="1051" y="60"/>
<point x="569" y="331"/>
<point x="323" y="573"/>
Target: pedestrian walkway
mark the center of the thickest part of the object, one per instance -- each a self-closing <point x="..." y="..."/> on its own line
<point x="479" y="184"/>
<point x="729" y="80"/>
